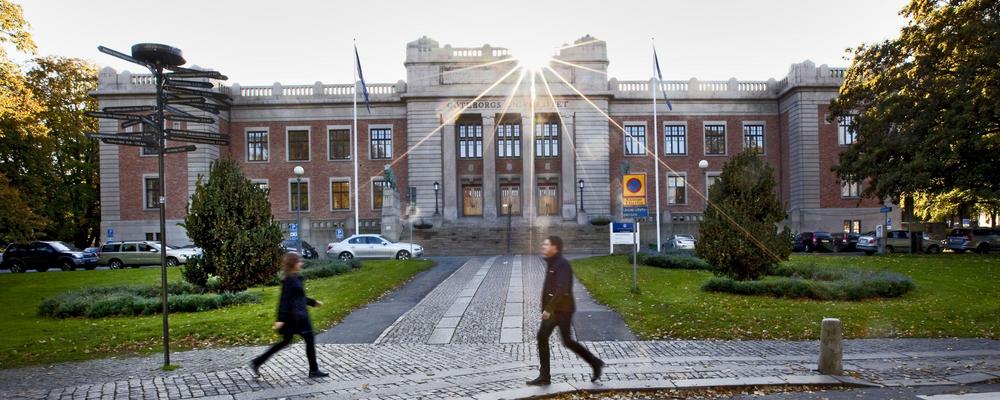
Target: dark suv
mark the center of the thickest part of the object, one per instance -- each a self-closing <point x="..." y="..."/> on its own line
<point x="812" y="241"/>
<point x="308" y="252"/>
<point x="41" y="256"/>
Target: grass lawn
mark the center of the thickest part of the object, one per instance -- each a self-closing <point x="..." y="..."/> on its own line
<point x="27" y="339"/>
<point x="956" y="296"/>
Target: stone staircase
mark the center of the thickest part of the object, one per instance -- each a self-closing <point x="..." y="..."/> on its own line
<point x="492" y="240"/>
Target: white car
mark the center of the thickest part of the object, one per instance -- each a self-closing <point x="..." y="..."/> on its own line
<point x="372" y="246"/>
<point x="681" y="242"/>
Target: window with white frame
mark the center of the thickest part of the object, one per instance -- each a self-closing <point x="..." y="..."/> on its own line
<point x="380" y="143"/>
<point x="299" y="200"/>
<point x="340" y="195"/>
<point x="298" y="145"/>
<point x="378" y="188"/>
<point x="676" y="189"/>
<point x="675" y="139"/>
<point x="850" y="189"/>
<point x="846" y="134"/>
<point x="710" y="180"/>
<point x="715" y="139"/>
<point x="257" y="145"/>
<point x="509" y="140"/>
<point x="635" y="140"/>
<point x="151" y="192"/>
<point x="339" y="146"/>
<point x="470" y="141"/>
<point x="753" y="138"/>
<point x="547" y="139"/>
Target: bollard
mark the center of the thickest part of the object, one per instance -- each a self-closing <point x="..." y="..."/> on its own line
<point x="831" y="347"/>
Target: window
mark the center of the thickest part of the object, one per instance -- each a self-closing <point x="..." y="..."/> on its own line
<point x="511" y="196"/>
<point x="381" y="144"/>
<point x="257" y="149"/>
<point x="110" y="248"/>
<point x="547" y="139"/>
<point x="152" y="192"/>
<point x="852" y="226"/>
<point x="131" y="247"/>
<point x="846" y="135"/>
<point x="299" y="202"/>
<point x="850" y="189"/>
<point x="470" y="141"/>
<point x="635" y="140"/>
<point x="676" y="189"/>
<point x="675" y="139"/>
<point x="339" y="146"/>
<point x="378" y="187"/>
<point x="715" y="139"/>
<point x="260" y="183"/>
<point x="509" y="140"/>
<point x="340" y="195"/>
<point x="298" y="145"/>
<point x="710" y="181"/>
<point x="753" y="138"/>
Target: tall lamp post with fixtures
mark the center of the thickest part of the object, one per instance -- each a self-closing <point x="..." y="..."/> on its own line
<point x="299" y="171"/>
<point x="580" y="184"/>
<point x="437" y="187"/>
<point x="703" y="165"/>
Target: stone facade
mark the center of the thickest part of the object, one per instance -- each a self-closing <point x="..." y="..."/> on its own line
<point x="463" y="118"/>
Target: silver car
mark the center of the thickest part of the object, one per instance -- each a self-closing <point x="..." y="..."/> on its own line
<point x="372" y="246"/>
<point x="118" y="255"/>
<point x="681" y="242"/>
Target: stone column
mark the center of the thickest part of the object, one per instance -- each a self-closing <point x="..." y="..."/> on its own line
<point x="567" y="154"/>
<point x="449" y="175"/>
<point x="489" y="169"/>
<point x="528" y="210"/>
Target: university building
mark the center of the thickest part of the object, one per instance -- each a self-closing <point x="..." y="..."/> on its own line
<point x="472" y="137"/>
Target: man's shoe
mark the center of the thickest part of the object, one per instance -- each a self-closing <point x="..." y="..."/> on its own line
<point x="318" y="374"/>
<point x="597" y="371"/>
<point x="540" y="381"/>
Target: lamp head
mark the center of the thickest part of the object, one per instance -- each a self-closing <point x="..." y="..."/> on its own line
<point x="703" y="164"/>
<point x="298" y="170"/>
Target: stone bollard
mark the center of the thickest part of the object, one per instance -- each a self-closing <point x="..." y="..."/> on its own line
<point x="831" y="347"/>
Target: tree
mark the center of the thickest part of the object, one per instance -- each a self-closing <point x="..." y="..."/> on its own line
<point x="925" y="104"/>
<point x="71" y="193"/>
<point x="18" y="221"/>
<point x="230" y="218"/>
<point x="739" y="233"/>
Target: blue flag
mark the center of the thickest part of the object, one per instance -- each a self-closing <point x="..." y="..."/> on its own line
<point x="361" y="74"/>
<point x="659" y="80"/>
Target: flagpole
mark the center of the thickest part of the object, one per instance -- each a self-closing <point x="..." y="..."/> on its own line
<point x="357" y="199"/>
<point x="656" y="151"/>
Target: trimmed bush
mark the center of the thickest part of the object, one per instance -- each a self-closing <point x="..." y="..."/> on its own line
<point x="671" y="261"/>
<point x="600" y="220"/>
<point x="313" y="269"/>
<point x="103" y="302"/>
<point x="817" y="283"/>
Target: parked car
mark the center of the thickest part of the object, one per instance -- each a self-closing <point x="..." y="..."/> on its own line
<point x="812" y="241"/>
<point x="40" y="256"/>
<point x="846" y="242"/>
<point x="896" y="241"/>
<point x="372" y="246"/>
<point x="681" y="242"/>
<point x="308" y="251"/>
<point x="980" y="240"/>
<point x="136" y="253"/>
<point x="92" y="250"/>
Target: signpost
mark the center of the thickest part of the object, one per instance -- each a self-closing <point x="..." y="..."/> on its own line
<point x="884" y="228"/>
<point x="164" y="62"/>
<point x="634" y="206"/>
<point x="293" y="231"/>
<point x="627" y="233"/>
<point x="111" y="234"/>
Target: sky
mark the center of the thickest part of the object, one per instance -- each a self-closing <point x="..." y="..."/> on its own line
<point x="301" y="42"/>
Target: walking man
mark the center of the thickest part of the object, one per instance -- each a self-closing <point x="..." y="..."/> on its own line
<point x="558" y="307"/>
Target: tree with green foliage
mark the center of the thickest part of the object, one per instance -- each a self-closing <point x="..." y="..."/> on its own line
<point x="230" y="218"/>
<point x="18" y="220"/>
<point x="740" y="237"/>
<point x="925" y="105"/>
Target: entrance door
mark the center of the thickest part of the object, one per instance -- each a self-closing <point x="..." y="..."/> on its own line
<point x="548" y="199"/>
<point x="472" y="200"/>
<point x="510" y="195"/>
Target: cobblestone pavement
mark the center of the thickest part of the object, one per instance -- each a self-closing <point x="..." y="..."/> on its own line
<point x="473" y="337"/>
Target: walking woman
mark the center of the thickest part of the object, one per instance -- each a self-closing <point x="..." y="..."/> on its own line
<point x="293" y="318"/>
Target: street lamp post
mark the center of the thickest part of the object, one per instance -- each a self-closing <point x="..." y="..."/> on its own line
<point x="703" y="165"/>
<point x="437" y="186"/>
<point x="299" y="171"/>
<point x="580" y="183"/>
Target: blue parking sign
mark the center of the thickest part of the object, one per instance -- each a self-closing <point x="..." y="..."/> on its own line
<point x="111" y="233"/>
<point x="340" y="233"/>
<point x="293" y="230"/>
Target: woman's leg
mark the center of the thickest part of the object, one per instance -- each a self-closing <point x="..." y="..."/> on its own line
<point x="310" y="340"/>
<point x="274" y="349"/>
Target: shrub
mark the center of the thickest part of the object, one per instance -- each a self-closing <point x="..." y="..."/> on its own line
<point x="671" y="261"/>
<point x="230" y="219"/>
<point x="818" y="283"/>
<point x="138" y="300"/>
<point x="312" y="269"/>
<point x="600" y="220"/>
<point x="739" y="234"/>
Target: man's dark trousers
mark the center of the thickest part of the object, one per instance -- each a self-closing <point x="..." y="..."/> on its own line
<point x="563" y="320"/>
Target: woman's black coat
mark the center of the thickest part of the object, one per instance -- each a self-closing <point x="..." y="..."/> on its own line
<point x="292" y="308"/>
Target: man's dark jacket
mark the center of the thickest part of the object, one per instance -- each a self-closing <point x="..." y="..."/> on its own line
<point x="292" y="308"/>
<point x="557" y="292"/>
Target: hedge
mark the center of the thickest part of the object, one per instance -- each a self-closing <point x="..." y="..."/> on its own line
<point x="102" y="302"/>
<point x="312" y="269"/>
<point x="671" y="261"/>
<point x="817" y="283"/>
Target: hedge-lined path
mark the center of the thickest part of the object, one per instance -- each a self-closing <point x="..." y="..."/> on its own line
<point x="463" y="340"/>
